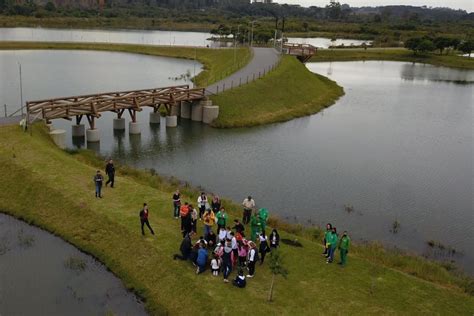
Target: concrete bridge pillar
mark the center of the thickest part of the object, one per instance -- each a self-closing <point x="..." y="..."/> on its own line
<point x="155" y="117"/>
<point x="93" y="135"/>
<point x="196" y="112"/>
<point x="171" y="121"/>
<point x="134" y="128"/>
<point x="59" y="137"/>
<point x="186" y="110"/>
<point x="78" y="130"/>
<point x="119" y="123"/>
<point x="209" y="113"/>
<point x="175" y="110"/>
<point x="49" y="126"/>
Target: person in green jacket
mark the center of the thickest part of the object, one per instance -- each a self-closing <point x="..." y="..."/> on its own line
<point x="326" y="235"/>
<point x="255" y="226"/>
<point x="344" y="245"/>
<point x="263" y="214"/>
<point x="221" y="218"/>
<point x="332" y="241"/>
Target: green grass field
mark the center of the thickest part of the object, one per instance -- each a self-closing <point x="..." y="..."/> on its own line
<point x="285" y="93"/>
<point x="395" y="54"/>
<point x="217" y="63"/>
<point x="53" y="189"/>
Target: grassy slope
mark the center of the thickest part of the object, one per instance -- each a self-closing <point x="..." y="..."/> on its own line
<point x="287" y="92"/>
<point x="217" y="62"/>
<point x="54" y="190"/>
<point x="396" y="54"/>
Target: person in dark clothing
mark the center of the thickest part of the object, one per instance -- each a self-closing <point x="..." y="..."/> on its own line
<point x="211" y="239"/>
<point x="185" y="248"/>
<point x="98" y="180"/>
<point x="227" y="259"/>
<point x="240" y="280"/>
<point x="263" y="247"/>
<point x="216" y="204"/>
<point x="110" y="172"/>
<point x="274" y="239"/>
<point x="238" y="227"/>
<point x="144" y="219"/>
<point x="187" y="224"/>
<point x="176" y="203"/>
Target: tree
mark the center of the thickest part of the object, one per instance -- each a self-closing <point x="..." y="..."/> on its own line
<point x="426" y="45"/>
<point x="441" y="43"/>
<point x="467" y="47"/>
<point x="277" y="268"/>
<point x="334" y="10"/>
<point x="50" y="7"/>
<point x="420" y="44"/>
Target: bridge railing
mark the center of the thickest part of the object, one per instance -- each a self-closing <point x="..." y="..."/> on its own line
<point x="93" y="104"/>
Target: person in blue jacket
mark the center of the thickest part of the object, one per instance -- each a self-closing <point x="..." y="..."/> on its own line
<point x="201" y="259"/>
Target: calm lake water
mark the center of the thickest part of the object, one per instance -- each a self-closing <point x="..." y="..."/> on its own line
<point x="37" y="277"/>
<point x="172" y="38"/>
<point x="397" y="147"/>
<point x="48" y="74"/>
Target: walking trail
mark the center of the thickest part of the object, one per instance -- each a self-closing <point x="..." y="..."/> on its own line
<point x="263" y="60"/>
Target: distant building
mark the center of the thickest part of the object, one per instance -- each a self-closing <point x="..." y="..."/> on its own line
<point x="262" y="1"/>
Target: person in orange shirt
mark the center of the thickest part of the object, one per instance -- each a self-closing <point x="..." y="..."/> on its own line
<point x="183" y="212"/>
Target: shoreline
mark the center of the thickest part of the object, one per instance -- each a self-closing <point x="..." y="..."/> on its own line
<point x="107" y="228"/>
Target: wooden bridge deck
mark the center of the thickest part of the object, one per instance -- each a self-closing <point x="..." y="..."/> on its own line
<point x="92" y="105"/>
<point x="302" y="51"/>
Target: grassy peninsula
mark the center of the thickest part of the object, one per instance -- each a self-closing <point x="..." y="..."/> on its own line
<point x="218" y="63"/>
<point x="395" y="54"/>
<point x="53" y="189"/>
<point x="285" y="93"/>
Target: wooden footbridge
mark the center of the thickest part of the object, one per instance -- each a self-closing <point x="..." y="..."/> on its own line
<point x="91" y="106"/>
<point x="303" y="52"/>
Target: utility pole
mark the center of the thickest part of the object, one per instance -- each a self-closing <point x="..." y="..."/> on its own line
<point x="21" y="88"/>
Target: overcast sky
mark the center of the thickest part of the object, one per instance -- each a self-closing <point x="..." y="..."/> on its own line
<point x="467" y="5"/>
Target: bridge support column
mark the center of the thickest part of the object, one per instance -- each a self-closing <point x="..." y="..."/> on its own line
<point x="186" y="110"/>
<point x="171" y="121"/>
<point x="196" y="112"/>
<point x="175" y="110"/>
<point x="49" y="126"/>
<point x="155" y="117"/>
<point x="119" y="123"/>
<point x="93" y="135"/>
<point x="134" y="128"/>
<point x="78" y="130"/>
<point x="59" y="137"/>
<point x="209" y="113"/>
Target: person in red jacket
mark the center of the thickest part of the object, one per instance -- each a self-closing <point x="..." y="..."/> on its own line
<point x="144" y="219"/>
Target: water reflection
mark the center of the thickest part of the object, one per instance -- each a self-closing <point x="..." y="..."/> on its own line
<point x="441" y="74"/>
<point x="79" y="142"/>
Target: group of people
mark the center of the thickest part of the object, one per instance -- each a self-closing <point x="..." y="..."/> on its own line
<point x="332" y="241"/>
<point x="99" y="178"/>
<point x="222" y="248"/>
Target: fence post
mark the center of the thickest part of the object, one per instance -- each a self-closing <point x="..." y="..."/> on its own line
<point x="259" y="74"/>
<point x="223" y="87"/>
<point x="5" y="108"/>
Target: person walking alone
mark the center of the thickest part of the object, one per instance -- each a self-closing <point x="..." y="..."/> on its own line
<point x="110" y="172"/>
<point x="249" y="205"/>
<point x="344" y="245"/>
<point x="176" y="203"/>
<point x="98" y="180"/>
<point x="144" y="219"/>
